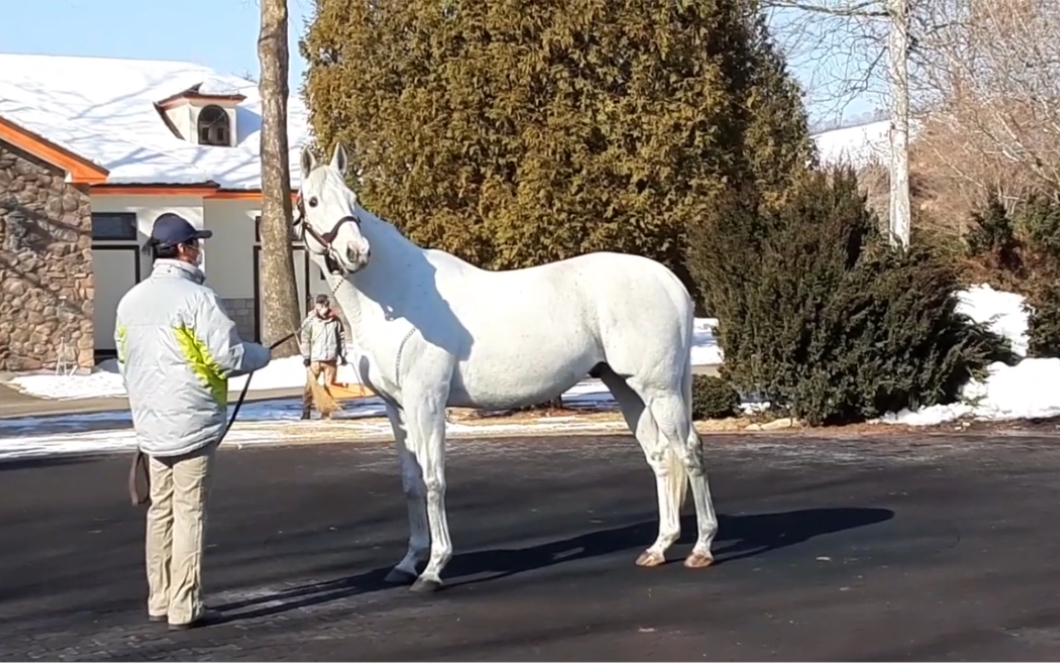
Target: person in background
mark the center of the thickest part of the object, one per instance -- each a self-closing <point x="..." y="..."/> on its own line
<point x="177" y="348"/>
<point x="322" y="346"/>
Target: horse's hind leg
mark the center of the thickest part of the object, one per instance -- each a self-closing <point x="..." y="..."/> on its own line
<point x="672" y="411"/>
<point x="670" y="485"/>
<point x="416" y="497"/>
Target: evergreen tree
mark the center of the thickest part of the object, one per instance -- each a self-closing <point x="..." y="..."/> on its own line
<point x="516" y="132"/>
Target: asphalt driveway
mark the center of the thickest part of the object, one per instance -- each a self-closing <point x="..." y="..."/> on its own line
<point x="893" y="548"/>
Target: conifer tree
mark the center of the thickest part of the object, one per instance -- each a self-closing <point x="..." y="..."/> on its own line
<point x="517" y="132"/>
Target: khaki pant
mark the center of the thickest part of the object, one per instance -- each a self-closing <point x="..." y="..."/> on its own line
<point x="329" y="369"/>
<point x="176" y="522"/>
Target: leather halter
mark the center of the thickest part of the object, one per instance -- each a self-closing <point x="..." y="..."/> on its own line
<point x="327" y="238"/>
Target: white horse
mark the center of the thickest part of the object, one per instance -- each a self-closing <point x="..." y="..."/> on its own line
<point x="432" y="331"/>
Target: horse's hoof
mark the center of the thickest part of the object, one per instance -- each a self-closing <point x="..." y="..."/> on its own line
<point x="699" y="560"/>
<point x="400" y="577"/>
<point x="426" y="586"/>
<point x="649" y="558"/>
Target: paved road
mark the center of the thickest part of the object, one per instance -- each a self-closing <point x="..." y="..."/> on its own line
<point x="871" y="549"/>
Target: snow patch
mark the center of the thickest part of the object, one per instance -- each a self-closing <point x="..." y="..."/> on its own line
<point x="705" y="348"/>
<point x="219" y="87"/>
<point x="1001" y="311"/>
<point x="1028" y="390"/>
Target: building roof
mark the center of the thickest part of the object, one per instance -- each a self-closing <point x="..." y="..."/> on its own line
<point x="860" y="144"/>
<point x="103" y="110"/>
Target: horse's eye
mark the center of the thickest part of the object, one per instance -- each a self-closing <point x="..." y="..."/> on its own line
<point x="313" y="201"/>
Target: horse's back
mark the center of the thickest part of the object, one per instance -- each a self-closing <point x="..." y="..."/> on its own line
<point x="536" y="332"/>
<point x="588" y="300"/>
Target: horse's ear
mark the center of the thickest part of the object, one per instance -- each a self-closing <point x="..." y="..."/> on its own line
<point x="339" y="159"/>
<point x="309" y="161"/>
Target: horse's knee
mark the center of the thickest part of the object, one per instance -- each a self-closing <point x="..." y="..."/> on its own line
<point x="691" y="457"/>
<point x="434" y="486"/>
<point x="656" y="458"/>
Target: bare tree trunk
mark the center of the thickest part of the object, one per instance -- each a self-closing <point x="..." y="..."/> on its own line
<point x="281" y="312"/>
<point x="899" y="52"/>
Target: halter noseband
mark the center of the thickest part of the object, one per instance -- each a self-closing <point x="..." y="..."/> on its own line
<point x="327" y="238"/>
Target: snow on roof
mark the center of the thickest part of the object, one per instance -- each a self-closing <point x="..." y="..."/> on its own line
<point x="860" y="144"/>
<point x="103" y="110"/>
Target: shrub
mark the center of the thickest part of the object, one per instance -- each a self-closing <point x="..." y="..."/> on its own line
<point x="1043" y="320"/>
<point x="992" y="241"/>
<point x="713" y="398"/>
<point x="819" y="314"/>
<point x="1019" y="250"/>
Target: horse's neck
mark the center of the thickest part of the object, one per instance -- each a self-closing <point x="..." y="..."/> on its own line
<point x="386" y="280"/>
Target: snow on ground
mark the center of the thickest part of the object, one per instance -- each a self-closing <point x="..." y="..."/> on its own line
<point x="286" y="373"/>
<point x="1003" y="310"/>
<point x="1028" y="390"/>
<point x="1031" y="389"/>
<point x="262" y="421"/>
<point x="31" y="446"/>
<point x="273" y="432"/>
<point x="705" y="348"/>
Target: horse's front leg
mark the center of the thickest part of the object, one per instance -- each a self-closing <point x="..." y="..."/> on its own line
<point x="425" y="417"/>
<point x="416" y="498"/>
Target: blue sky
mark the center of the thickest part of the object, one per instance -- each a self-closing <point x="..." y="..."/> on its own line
<point x="221" y="34"/>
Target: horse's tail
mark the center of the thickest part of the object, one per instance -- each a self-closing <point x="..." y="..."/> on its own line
<point x="676" y="477"/>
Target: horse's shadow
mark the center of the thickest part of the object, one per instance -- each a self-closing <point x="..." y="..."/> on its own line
<point x="746" y="536"/>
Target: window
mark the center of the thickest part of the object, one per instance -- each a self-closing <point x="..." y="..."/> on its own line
<point x="114" y="226"/>
<point x="214" y="127"/>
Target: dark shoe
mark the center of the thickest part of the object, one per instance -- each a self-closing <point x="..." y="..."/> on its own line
<point x="207" y="618"/>
<point x="156" y="618"/>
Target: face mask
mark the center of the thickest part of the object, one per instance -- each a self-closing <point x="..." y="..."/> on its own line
<point x="198" y="255"/>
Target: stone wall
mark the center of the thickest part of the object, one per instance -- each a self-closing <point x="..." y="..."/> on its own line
<point x="46" y="286"/>
<point x="241" y="310"/>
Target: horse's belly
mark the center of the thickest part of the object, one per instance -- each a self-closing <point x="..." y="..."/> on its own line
<point x="520" y="376"/>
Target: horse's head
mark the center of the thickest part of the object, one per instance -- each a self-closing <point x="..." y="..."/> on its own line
<point x="327" y="214"/>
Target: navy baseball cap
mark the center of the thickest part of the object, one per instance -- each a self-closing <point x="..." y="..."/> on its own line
<point x="172" y="229"/>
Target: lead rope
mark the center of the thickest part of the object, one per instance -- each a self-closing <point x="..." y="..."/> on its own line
<point x="140" y="459"/>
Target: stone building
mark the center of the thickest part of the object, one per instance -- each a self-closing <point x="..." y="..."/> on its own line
<point x="45" y="265"/>
<point x="92" y="150"/>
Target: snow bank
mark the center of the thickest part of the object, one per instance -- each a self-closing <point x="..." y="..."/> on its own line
<point x="1002" y="311"/>
<point x="1028" y="390"/>
<point x="705" y="348"/>
<point x="1031" y="389"/>
<point x="286" y="373"/>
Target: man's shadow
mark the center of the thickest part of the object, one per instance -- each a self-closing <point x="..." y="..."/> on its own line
<point x="746" y="536"/>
